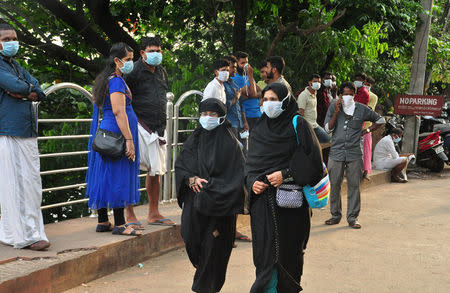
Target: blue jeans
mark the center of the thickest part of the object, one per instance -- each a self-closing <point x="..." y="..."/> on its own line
<point x="322" y="135"/>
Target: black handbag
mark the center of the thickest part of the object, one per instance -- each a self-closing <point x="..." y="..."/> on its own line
<point x="108" y="144"/>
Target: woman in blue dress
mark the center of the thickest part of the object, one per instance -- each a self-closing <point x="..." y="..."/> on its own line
<point x="111" y="183"/>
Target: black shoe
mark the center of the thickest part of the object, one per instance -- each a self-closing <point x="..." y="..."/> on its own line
<point x="103" y="228"/>
<point x="332" y="221"/>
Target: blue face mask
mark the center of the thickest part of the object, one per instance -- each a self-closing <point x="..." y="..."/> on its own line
<point x="10" y="49"/>
<point x="154" y="58"/>
<point x="209" y="123"/>
<point x="397" y="139"/>
<point x="127" y="67"/>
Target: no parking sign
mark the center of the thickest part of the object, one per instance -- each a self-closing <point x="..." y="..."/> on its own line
<point x="418" y="105"/>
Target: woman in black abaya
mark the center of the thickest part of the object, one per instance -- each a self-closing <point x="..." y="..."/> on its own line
<point x="209" y="176"/>
<point x="280" y="234"/>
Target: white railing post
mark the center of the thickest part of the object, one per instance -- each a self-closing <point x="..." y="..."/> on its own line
<point x="174" y="149"/>
<point x="169" y="137"/>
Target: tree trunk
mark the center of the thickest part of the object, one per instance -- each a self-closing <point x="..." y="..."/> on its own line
<point x="418" y="70"/>
<point x="240" y="24"/>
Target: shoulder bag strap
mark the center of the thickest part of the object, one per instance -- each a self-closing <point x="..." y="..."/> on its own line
<point x="294" y="123"/>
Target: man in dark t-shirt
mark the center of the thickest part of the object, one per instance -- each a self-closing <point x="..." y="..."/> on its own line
<point x="148" y="84"/>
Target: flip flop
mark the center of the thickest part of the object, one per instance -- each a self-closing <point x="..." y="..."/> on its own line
<point x="161" y="223"/>
<point x="138" y="225"/>
<point x="119" y="231"/>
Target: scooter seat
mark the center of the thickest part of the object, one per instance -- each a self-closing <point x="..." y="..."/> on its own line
<point x="444" y="128"/>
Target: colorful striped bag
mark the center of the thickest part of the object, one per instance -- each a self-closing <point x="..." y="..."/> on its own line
<point x="317" y="195"/>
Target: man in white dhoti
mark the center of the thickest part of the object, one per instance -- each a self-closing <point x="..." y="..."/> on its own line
<point x="386" y="157"/>
<point x="148" y="83"/>
<point x="21" y="223"/>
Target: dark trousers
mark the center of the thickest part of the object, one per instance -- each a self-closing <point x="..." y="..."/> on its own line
<point x="119" y="218"/>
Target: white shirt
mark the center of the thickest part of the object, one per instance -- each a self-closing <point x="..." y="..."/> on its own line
<point x="385" y="149"/>
<point x="215" y="90"/>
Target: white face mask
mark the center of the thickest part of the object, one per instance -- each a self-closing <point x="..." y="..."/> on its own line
<point x="223" y="75"/>
<point x="348" y="104"/>
<point x="209" y="122"/>
<point x="273" y="109"/>
<point x="358" y="83"/>
<point x="315" y="86"/>
<point x="244" y="134"/>
<point x="327" y="82"/>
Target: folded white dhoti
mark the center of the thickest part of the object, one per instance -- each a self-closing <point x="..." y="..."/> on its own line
<point x="388" y="164"/>
<point x="21" y="222"/>
<point x="152" y="154"/>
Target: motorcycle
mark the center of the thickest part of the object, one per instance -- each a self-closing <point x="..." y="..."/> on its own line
<point x="430" y="153"/>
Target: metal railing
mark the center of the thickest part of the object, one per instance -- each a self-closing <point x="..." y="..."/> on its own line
<point x="86" y="94"/>
<point x="172" y="131"/>
<point x="176" y="131"/>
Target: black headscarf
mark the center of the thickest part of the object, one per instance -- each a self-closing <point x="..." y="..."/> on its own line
<point x="216" y="156"/>
<point x="273" y="142"/>
<point x="213" y="105"/>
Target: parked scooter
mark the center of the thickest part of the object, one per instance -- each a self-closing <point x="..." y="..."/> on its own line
<point x="445" y="137"/>
<point x="430" y="153"/>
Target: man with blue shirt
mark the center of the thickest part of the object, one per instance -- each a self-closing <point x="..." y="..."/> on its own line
<point x="235" y="113"/>
<point x="21" y="222"/>
<point x="246" y="83"/>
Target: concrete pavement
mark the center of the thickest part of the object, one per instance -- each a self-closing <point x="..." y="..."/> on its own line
<point x="403" y="246"/>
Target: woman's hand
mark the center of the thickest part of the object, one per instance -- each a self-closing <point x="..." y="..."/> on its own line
<point x="275" y="179"/>
<point x="129" y="151"/>
<point x="197" y="184"/>
<point x="259" y="186"/>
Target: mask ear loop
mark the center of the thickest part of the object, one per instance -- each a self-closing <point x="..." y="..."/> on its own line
<point x="282" y="101"/>
<point x="223" y="119"/>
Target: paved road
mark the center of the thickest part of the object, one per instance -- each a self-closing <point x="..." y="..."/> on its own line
<point x="403" y="246"/>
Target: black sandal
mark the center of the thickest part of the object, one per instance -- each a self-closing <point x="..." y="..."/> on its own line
<point x="103" y="228"/>
<point x="119" y="231"/>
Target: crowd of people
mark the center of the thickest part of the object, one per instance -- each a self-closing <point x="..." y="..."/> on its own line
<point x="251" y="144"/>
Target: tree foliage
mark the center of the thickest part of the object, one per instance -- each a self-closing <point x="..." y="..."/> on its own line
<point x="68" y="40"/>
